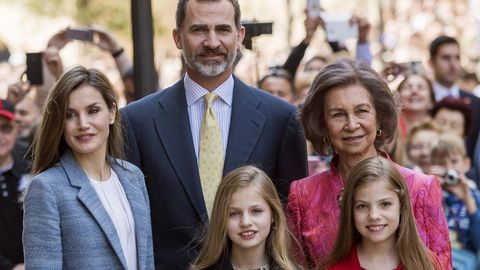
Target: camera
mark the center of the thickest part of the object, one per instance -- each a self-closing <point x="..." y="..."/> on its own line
<point x="451" y="177"/>
<point x="253" y="29"/>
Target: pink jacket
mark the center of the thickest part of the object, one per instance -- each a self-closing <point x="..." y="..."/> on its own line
<point x="313" y="213"/>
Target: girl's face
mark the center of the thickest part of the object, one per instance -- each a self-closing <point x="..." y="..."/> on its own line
<point x="87" y="122"/>
<point x="250" y="218"/>
<point x="376" y="213"/>
<point x="415" y="94"/>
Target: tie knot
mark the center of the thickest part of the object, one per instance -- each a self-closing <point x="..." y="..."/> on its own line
<point x="209" y="98"/>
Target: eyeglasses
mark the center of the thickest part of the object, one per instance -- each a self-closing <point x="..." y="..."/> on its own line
<point x="6" y="128"/>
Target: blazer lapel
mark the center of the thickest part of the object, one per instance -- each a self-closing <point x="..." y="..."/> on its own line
<point x="90" y="200"/>
<point x="246" y="125"/>
<point x="137" y="203"/>
<point x="173" y="128"/>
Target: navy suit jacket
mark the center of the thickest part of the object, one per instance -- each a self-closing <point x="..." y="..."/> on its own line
<point x="264" y="131"/>
<point x="474" y="130"/>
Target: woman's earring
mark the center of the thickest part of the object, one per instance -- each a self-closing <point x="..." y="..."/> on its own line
<point x="326" y="139"/>
<point x="379" y="132"/>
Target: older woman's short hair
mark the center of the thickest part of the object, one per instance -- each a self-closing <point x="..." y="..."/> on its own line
<point x="343" y="73"/>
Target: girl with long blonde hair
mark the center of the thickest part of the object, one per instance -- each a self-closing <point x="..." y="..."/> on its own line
<point x="247" y="229"/>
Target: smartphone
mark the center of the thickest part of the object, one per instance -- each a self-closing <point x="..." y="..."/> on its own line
<point x="414" y="67"/>
<point x="313" y="8"/>
<point x="34" y="68"/>
<point x="79" y="34"/>
<point x="338" y="26"/>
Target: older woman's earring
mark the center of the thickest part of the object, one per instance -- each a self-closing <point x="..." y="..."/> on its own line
<point x="379" y="132"/>
<point x="326" y="139"/>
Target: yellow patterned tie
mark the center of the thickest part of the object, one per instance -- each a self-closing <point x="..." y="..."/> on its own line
<point x="211" y="153"/>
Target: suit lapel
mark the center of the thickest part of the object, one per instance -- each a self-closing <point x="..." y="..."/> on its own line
<point x="173" y="128"/>
<point x="246" y="125"/>
<point x="90" y="200"/>
<point x="137" y="203"/>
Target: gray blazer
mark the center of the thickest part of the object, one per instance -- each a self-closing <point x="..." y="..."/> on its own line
<point x="67" y="227"/>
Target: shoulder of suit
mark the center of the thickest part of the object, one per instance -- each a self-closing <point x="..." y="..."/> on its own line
<point x="52" y="175"/>
<point x="469" y="95"/>
<point x="151" y="100"/>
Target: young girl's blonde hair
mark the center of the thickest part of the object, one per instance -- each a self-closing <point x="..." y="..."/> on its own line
<point x="217" y="243"/>
<point x="414" y="255"/>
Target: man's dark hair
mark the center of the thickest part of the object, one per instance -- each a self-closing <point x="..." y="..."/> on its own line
<point x="182" y="11"/>
<point x="439" y="42"/>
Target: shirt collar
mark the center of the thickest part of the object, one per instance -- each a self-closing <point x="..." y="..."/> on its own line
<point x="441" y="91"/>
<point x="194" y="91"/>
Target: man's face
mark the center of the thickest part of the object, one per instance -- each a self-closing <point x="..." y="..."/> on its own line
<point x="8" y="135"/>
<point x="446" y="64"/>
<point x="209" y="39"/>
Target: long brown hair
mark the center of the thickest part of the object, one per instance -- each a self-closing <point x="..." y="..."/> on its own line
<point x="216" y="243"/>
<point x="49" y="143"/>
<point x="412" y="252"/>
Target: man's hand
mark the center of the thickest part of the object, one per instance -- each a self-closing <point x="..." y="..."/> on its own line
<point x="363" y="28"/>
<point x="59" y="40"/>
<point x="106" y="41"/>
<point x="311" y="24"/>
<point x="53" y="60"/>
<point x="17" y="91"/>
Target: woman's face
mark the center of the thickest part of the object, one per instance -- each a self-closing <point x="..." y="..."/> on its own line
<point x="249" y="221"/>
<point x="351" y="121"/>
<point x="415" y="96"/>
<point x="87" y="122"/>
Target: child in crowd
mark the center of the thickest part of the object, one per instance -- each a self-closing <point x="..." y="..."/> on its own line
<point x="247" y="229"/>
<point x="376" y="223"/>
<point x="461" y="197"/>
<point x="419" y="144"/>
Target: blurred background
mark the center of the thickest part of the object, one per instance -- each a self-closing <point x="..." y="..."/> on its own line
<point x="401" y="32"/>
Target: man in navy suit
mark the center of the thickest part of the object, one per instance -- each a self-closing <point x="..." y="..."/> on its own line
<point x="445" y="62"/>
<point x="163" y="129"/>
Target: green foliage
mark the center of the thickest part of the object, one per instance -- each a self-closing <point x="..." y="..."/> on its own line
<point x="112" y="14"/>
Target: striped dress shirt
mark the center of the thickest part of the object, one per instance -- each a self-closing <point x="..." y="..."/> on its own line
<point x="222" y="106"/>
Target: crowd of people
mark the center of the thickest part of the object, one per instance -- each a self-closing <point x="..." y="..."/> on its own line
<point x="321" y="165"/>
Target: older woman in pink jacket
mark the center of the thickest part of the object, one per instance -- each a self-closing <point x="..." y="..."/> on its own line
<point x="351" y="113"/>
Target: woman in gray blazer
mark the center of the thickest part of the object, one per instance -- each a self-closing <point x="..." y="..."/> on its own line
<point x="85" y="207"/>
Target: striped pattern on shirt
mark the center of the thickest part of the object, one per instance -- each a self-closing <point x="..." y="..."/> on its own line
<point x="222" y="107"/>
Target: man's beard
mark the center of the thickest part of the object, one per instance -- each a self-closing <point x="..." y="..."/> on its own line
<point x="209" y="69"/>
